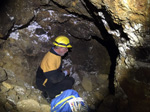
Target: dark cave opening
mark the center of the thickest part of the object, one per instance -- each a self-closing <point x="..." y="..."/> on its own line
<point x="108" y="42"/>
<point x="113" y="54"/>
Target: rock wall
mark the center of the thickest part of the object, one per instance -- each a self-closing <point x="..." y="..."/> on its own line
<point x="115" y="28"/>
<point x="133" y="62"/>
<point x="25" y="44"/>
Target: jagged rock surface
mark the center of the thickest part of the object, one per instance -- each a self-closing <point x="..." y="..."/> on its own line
<point x="31" y="27"/>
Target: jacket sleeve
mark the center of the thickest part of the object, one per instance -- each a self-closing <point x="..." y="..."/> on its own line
<point x="55" y="76"/>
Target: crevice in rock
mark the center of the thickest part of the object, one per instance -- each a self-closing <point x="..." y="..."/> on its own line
<point x="3" y="12"/>
<point x="113" y="53"/>
<point x="108" y="42"/>
<point x="63" y="7"/>
<point x="25" y="25"/>
<point x="112" y="25"/>
<point x="9" y="31"/>
<point x="93" y="11"/>
<point x="74" y="13"/>
<point x="5" y="76"/>
<point x="13" y="29"/>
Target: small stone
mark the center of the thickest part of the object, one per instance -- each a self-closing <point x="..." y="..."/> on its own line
<point x="28" y="105"/>
<point x="3" y="75"/>
<point x="20" y="90"/>
<point x="8" y="106"/>
<point x="87" y="84"/>
<point x="12" y="97"/>
<point x="45" y="108"/>
<point x="7" y="85"/>
<point x="98" y="95"/>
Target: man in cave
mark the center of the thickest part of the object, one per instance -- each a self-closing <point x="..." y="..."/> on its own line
<point x="50" y="79"/>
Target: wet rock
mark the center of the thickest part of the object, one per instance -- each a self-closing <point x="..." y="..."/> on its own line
<point x="102" y="79"/>
<point x="86" y="60"/>
<point x="12" y="97"/>
<point x="19" y="17"/>
<point x="67" y="20"/>
<point x="74" y="7"/>
<point x="87" y="84"/>
<point x="33" y="96"/>
<point x="28" y="105"/>
<point x="40" y="31"/>
<point x="20" y="90"/>
<point x="8" y="106"/>
<point x="3" y="98"/>
<point x="98" y="96"/>
<point x="3" y="75"/>
<point x="7" y="85"/>
<point x="45" y="108"/>
<point x="44" y="2"/>
<point x="18" y="98"/>
<point x="5" y="24"/>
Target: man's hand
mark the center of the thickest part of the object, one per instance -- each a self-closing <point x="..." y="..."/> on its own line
<point x="67" y="70"/>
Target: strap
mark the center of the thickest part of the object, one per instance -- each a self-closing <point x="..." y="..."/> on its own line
<point x="59" y="94"/>
<point x="45" y="82"/>
<point x="63" y="100"/>
<point x="62" y="44"/>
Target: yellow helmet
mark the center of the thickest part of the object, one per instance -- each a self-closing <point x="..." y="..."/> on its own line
<point x="62" y="41"/>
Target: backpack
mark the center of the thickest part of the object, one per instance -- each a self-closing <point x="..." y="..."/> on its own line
<point x="68" y="101"/>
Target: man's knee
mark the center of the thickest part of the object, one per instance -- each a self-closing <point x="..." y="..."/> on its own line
<point x="69" y="80"/>
<point x="73" y="81"/>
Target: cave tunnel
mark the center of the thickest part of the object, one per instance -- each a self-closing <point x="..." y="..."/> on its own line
<point x="109" y="56"/>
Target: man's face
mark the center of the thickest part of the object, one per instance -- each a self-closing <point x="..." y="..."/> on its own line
<point x="63" y="51"/>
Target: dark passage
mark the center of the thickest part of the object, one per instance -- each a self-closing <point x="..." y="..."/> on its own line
<point x="107" y="41"/>
<point x="113" y="53"/>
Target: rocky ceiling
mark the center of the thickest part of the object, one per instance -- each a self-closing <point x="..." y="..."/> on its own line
<point x="110" y="41"/>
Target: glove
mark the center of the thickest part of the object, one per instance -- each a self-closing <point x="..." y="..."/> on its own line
<point x="65" y="72"/>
